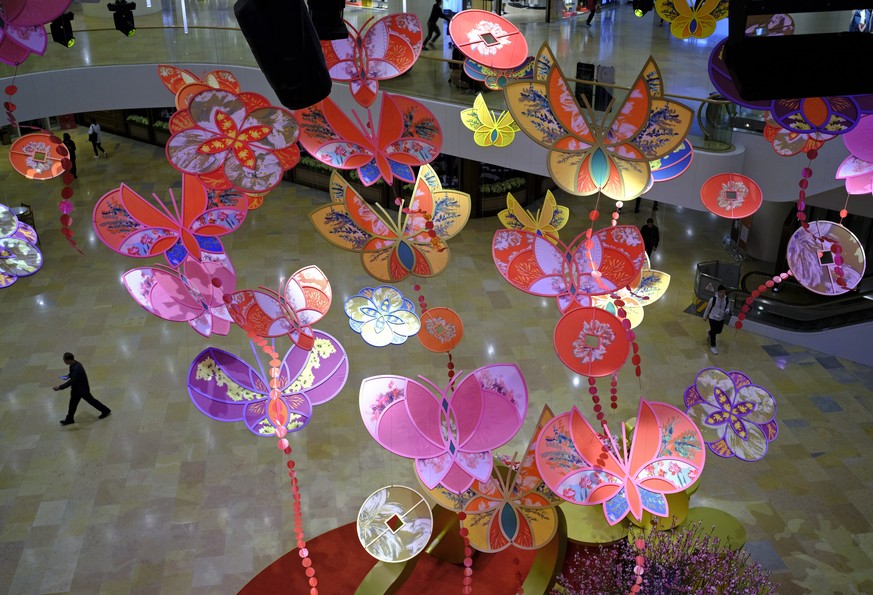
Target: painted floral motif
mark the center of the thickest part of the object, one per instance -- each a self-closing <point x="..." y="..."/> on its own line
<point x="19" y="256"/>
<point x="733" y="194"/>
<point x="240" y="137"/>
<point x="382" y="316"/>
<point x="441" y="329"/>
<point x="736" y="417"/>
<point x="395" y="524"/>
<point x="593" y="341"/>
<point x="383" y="399"/>
<point x="486" y="29"/>
<point x="18" y="42"/>
<point x="697" y="19"/>
<point x="812" y="253"/>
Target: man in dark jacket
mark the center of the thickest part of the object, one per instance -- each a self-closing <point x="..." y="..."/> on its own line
<point x="436" y="13"/>
<point x="77" y="381"/>
<point x="651" y="236"/>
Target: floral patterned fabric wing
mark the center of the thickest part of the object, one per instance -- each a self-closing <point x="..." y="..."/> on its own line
<point x="735" y="417"/>
<point x="858" y="175"/>
<point x="665" y="455"/>
<point x="571" y="274"/>
<point x="696" y="20"/>
<point x="18" y="41"/>
<point x="130" y="225"/>
<point x="487" y="130"/>
<point x="228" y="389"/>
<point x="407" y="134"/>
<point x="546" y="223"/>
<point x="19" y="256"/>
<point x="497" y="79"/>
<point x="184" y="84"/>
<point x="788" y="143"/>
<point x="449" y="433"/>
<point x="514" y="507"/>
<point x="382" y="316"/>
<point x="386" y="50"/>
<point x="589" y="155"/>
<point x="241" y="138"/>
<point x="309" y="294"/>
<point x="195" y="296"/>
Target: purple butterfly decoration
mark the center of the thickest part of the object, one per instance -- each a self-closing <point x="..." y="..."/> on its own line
<point x="226" y="388"/>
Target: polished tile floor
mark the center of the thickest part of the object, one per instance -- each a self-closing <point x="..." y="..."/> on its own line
<point x="159" y="498"/>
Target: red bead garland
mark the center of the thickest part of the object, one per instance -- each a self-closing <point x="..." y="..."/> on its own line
<point x="769" y="283"/>
<point x="468" y="556"/>
<point x="640" y="567"/>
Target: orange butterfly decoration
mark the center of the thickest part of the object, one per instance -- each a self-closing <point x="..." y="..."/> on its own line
<point x="589" y="153"/>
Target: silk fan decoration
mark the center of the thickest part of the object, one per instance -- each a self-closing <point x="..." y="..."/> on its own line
<point x="626" y="474"/>
<point x="489" y="128"/>
<point x="449" y="432"/>
<point x="695" y="19"/>
<point x="533" y="264"/>
<point x="589" y="153"/>
<point x="788" y="143"/>
<point x="387" y="49"/>
<point x="407" y="134"/>
<point x="857" y="168"/>
<point x="19" y="256"/>
<point x="591" y="342"/>
<point x="193" y="294"/>
<point x="392" y="248"/>
<point x="305" y="300"/>
<point x="736" y="417"/>
<point x="732" y="196"/>
<point x="513" y="508"/>
<point x="133" y="226"/>
<point x="488" y="39"/>
<point x="546" y="223"/>
<point x="382" y="316"/>
<point x="36" y="157"/>
<point x="226" y="388"/>
<point x="231" y="139"/>
<point x="674" y="164"/>
<point x="824" y="254"/>
<point x="395" y="524"/>
<point x="184" y="84"/>
<point x="497" y="79"/>
<point x="827" y="115"/>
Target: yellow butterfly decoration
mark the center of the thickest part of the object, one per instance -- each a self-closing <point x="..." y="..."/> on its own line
<point x="589" y="153"/>
<point x="696" y="19"/>
<point x="487" y="130"/>
<point x="546" y="222"/>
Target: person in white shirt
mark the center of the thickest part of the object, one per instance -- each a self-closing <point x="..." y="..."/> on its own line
<point x="96" y="138"/>
<point x="718" y="311"/>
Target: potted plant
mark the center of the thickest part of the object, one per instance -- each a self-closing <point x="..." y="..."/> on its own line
<point x="138" y="128"/>
<point x="161" y="129"/>
<point x="493" y="195"/>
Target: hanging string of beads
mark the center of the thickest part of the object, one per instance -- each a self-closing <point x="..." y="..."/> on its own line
<point x="640" y="566"/>
<point x="468" y="556"/>
<point x="755" y="294"/>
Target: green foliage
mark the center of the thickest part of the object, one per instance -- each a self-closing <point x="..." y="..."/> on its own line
<point x="138" y="119"/>
<point x="503" y="186"/>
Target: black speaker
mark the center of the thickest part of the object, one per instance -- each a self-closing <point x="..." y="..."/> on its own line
<point x="287" y="49"/>
<point x="327" y="16"/>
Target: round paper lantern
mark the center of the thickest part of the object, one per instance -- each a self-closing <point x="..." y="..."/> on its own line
<point x="441" y="330"/>
<point x="36" y="157"/>
<point x="591" y="342"/>
<point x="395" y="524"/>
<point x="814" y="256"/>
<point x="732" y="196"/>
<point x="488" y="39"/>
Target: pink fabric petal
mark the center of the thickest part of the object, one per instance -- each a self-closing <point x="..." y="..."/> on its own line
<point x="183" y="153"/>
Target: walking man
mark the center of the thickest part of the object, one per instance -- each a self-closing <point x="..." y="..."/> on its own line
<point x="436" y="13"/>
<point x="718" y="311"/>
<point x="651" y="236"/>
<point x="77" y="381"/>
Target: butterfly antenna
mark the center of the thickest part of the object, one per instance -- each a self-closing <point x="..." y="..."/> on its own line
<point x="389" y="220"/>
<point x="367" y="128"/>
<point x="609" y="435"/>
<point x="161" y="204"/>
<point x="258" y="358"/>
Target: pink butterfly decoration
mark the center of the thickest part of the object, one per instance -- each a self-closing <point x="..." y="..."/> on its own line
<point x="22" y="27"/>
<point x="584" y="467"/>
<point x="194" y="294"/>
<point x="131" y="225"/>
<point x="386" y="50"/>
<point x="304" y="301"/>
<point x="857" y="168"/>
<point x="450" y="433"/>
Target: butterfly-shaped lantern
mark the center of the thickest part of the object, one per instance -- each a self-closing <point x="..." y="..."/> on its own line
<point x="407" y="134"/>
<point x="192" y="294"/>
<point x="305" y="300"/>
<point x="588" y="154"/>
<point x="391" y="248"/>
<point x="547" y="222"/>
<point x="387" y="49"/>
<point x="226" y="388"/>
<point x="449" y="432"/>
<point x="627" y="475"/>
<point x="696" y="19"/>
<point x="131" y="225"/>
<point x="489" y="130"/>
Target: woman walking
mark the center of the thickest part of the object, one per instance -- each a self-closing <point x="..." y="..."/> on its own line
<point x="96" y="138"/>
